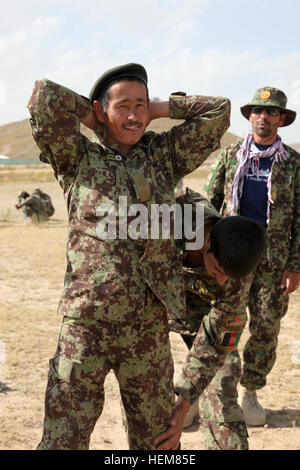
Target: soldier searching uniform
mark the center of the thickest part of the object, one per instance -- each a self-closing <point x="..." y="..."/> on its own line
<point x="267" y="304"/>
<point x="38" y="205"/>
<point x="115" y="300"/>
<point x="214" y="321"/>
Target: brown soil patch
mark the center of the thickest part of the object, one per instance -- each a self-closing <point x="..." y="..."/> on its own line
<point x="32" y="264"/>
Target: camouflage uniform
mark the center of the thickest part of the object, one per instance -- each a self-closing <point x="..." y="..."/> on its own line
<point x="215" y="318"/>
<point x="267" y="305"/>
<point x="113" y="287"/>
<point x="48" y="208"/>
<point x="37" y="205"/>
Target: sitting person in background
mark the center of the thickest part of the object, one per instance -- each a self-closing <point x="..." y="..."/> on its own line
<point x="38" y="206"/>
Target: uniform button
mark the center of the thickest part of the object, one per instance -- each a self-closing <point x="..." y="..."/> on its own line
<point x="118" y="157"/>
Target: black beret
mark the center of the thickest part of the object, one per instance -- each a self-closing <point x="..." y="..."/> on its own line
<point x="121" y="71"/>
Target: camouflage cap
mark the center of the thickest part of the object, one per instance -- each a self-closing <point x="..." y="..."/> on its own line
<point x="121" y="71"/>
<point x="270" y="97"/>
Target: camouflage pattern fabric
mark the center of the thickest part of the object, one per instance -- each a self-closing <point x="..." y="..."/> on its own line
<point x="269" y="96"/>
<point x="214" y="304"/>
<point x="106" y="280"/>
<point x="37" y="205"/>
<point x="139" y="354"/>
<point x="221" y="416"/>
<point x="92" y="175"/>
<point x="266" y="305"/>
<point x="209" y="371"/>
<point x="226" y="436"/>
<point x="32" y="205"/>
<point x="48" y="207"/>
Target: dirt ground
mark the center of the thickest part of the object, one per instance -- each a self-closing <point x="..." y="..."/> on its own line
<point x="32" y="264"/>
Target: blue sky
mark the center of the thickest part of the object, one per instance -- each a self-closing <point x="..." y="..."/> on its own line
<point x="214" y="47"/>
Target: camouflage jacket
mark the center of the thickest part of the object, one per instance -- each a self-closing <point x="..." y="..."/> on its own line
<point x="33" y="203"/>
<point x="107" y="279"/>
<point x="47" y="204"/>
<point x="210" y="309"/>
<point x="283" y="231"/>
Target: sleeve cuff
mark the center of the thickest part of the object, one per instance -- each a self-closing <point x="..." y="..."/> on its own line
<point x="186" y="389"/>
<point x="292" y="265"/>
<point x="177" y="105"/>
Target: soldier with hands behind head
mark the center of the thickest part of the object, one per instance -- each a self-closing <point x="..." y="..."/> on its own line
<point x="118" y="290"/>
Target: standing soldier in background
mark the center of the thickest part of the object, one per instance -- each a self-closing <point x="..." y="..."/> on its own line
<point x="38" y="206"/>
<point x="118" y="290"/>
<point x="259" y="177"/>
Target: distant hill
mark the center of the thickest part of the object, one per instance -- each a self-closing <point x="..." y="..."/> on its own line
<point x="296" y="147"/>
<point x="17" y="143"/>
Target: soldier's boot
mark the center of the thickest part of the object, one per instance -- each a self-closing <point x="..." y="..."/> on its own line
<point x="254" y="413"/>
<point x="191" y="415"/>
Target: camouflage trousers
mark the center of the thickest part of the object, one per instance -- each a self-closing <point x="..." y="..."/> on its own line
<point x="139" y="355"/>
<point x="221" y="417"/>
<point x="267" y="306"/>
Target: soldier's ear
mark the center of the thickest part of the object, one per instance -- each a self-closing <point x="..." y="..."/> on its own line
<point x="282" y="119"/>
<point x="99" y="111"/>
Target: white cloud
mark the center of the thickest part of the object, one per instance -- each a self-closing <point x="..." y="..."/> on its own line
<point x="2" y="92"/>
<point x="73" y="41"/>
<point x="21" y="41"/>
<point x="234" y="75"/>
<point x="160" y="22"/>
<point x="44" y="26"/>
<point x="17" y="13"/>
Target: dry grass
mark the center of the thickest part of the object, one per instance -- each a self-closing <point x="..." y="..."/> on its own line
<point x="26" y="174"/>
<point x="32" y="265"/>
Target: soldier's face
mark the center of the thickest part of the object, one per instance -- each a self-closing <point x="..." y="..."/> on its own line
<point x="213" y="268"/>
<point x="196" y="258"/>
<point x="126" y="116"/>
<point x="264" y="126"/>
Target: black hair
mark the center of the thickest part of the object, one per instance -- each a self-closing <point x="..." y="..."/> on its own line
<point x="238" y="244"/>
<point x="104" y="95"/>
<point x="23" y="195"/>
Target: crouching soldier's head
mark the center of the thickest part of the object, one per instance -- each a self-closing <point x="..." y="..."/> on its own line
<point x="232" y="246"/>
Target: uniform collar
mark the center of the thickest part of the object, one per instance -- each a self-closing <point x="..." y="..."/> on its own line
<point x="142" y="144"/>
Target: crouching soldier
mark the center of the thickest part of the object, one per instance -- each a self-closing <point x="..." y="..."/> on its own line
<point x="38" y="206"/>
<point x="215" y="319"/>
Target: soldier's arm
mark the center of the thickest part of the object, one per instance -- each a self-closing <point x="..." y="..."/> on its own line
<point x="206" y="356"/>
<point x="29" y="201"/>
<point x="218" y="335"/>
<point x="293" y="262"/>
<point x="215" y="182"/>
<point x="190" y="143"/>
<point x="158" y="109"/>
<point x="56" y="113"/>
<point x="291" y="276"/>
